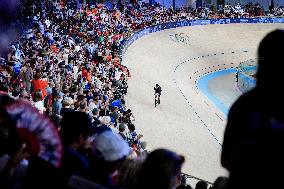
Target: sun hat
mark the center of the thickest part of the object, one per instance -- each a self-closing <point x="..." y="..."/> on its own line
<point x="105" y="120"/>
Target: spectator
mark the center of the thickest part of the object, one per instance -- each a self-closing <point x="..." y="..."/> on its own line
<point x="104" y="125"/>
<point x="133" y="138"/>
<point x="109" y="152"/>
<point x="39" y="102"/>
<point x="75" y="129"/>
<point x="11" y="153"/>
<point x="129" y="171"/>
<point x="220" y="183"/>
<point x="39" y="84"/>
<point x="95" y="117"/>
<point x="254" y="133"/>
<point x="183" y="184"/>
<point x="201" y="185"/>
<point x="121" y="129"/>
<point x="27" y="75"/>
<point x="77" y="50"/>
<point x="83" y="107"/>
<point x="48" y="101"/>
<point x="161" y="170"/>
<point x="67" y="106"/>
<point x="114" y="115"/>
<point x="57" y="105"/>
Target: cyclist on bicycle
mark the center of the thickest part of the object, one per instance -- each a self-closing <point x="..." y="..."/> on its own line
<point x="158" y="91"/>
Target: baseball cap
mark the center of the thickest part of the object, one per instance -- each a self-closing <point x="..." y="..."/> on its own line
<point x="111" y="146"/>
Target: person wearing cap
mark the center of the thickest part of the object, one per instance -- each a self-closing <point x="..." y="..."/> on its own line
<point x="109" y="151"/>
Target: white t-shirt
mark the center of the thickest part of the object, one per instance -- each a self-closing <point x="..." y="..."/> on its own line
<point x="47" y="23"/>
<point x="98" y="84"/>
<point x="117" y="75"/>
<point x="75" y="72"/>
<point x="77" y="48"/>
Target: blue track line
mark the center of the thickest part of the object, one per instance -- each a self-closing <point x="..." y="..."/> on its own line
<point x="203" y="86"/>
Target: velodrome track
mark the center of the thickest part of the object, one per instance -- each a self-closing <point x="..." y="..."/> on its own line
<point x="186" y="120"/>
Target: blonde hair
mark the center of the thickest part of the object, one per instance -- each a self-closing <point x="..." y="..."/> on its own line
<point x="67" y="101"/>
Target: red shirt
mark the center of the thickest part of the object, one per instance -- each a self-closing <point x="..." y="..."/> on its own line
<point x="40" y="85"/>
<point x="84" y="73"/>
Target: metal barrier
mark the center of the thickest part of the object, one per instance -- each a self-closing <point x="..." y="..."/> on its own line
<point x="196" y="178"/>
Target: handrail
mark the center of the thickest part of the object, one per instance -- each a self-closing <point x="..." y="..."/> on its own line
<point x="196" y="178"/>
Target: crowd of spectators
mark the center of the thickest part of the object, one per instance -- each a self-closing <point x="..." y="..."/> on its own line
<point x="275" y="10"/>
<point x="66" y="67"/>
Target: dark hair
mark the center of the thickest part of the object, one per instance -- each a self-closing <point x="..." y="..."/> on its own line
<point x="37" y="75"/>
<point x="55" y="120"/>
<point x="37" y="95"/>
<point x="100" y="168"/>
<point x="183" y="179"/>
<point x="121" y="127"/>
<point x="220" y="183"/>
<point x="131" y="127"/>
<point x="158" y="169"/>
<point x="83" y="105"/>
<point x="201" y="185"/>
<point x="80" y="97"/>
<point x="9" y="141"/>
<point x="73" y="125"/>
<point x="128" y="173"/>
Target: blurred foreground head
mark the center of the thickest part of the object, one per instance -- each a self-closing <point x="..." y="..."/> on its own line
<point x="161" y="170"/>
<point x="7" y="132"/>
<point x="271" y="65"/>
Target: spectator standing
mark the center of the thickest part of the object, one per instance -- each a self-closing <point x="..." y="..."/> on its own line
<point x="27" y="75"/>
<point x="39" y="101"/>
<point x="254" y="135"/>
<point x="75" y="129"/>
<point x="39" y="84"/>
<point x="109" y="151"/>
<point x="121" y="129"/>
<point x="57" y="105"/>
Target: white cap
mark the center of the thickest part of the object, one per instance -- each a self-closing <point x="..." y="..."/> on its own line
<point x="105" y="120"/>
<point x="111" y="146"/>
